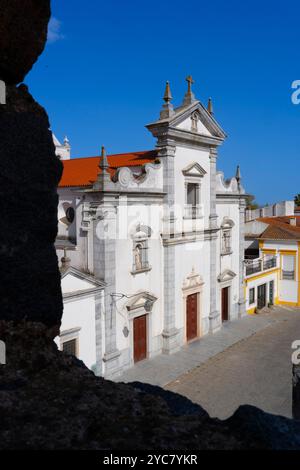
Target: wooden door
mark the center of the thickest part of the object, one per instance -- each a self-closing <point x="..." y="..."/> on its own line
<point x="261" y="296"/>
<point x="225" y="303"/>
<point x="140" y="338"/>
<point x="191" y="317"/>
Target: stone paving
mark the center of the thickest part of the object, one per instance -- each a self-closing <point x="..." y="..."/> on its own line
<point x="255" y="371"/>
<point x="247" y="361"/>
<point x="163" y="369"/>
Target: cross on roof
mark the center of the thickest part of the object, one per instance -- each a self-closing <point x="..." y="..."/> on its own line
<point x="190" y="81"/>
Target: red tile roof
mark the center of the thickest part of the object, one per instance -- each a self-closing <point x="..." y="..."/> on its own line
<point x="84" y="171"/>
<point x="279" y="228"/>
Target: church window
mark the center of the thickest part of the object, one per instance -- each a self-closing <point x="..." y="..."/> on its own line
<point x="70" y="214"/>
<point x="192" y="200"/>
<point x="70" y="347"/>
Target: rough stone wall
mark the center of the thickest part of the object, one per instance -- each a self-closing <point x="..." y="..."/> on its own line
<point x="29" y="175"/>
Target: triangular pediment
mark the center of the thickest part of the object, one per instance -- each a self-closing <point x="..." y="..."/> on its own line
<point x="143" y="300"/>
<point x="184" y="118"/>
<point x="194" y="169"/>
<point x="73" y="280"/>
<point x="226" y="275"/>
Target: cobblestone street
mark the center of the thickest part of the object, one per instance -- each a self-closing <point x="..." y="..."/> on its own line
<point x="255" y="370"/>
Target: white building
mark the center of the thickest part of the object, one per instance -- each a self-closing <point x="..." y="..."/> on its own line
<point x="155" y="240"/>
<point x="63" y="151"/>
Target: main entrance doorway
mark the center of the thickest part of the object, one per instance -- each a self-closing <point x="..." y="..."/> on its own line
<point x="140" y="338"/>
<point x="191" y="317"/>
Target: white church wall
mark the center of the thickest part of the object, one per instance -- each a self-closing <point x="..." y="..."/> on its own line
<point x="229" y="210"/>
<point x="187" y="123"/>
<point x="189" y="257"/>
<point x="131" y="284"/>
<point x="81" y="314"/>
<point x="183" y="158"/>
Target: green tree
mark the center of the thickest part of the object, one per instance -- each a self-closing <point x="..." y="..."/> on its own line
<point x="251" y="203"/>
<point x="297" y="200"/>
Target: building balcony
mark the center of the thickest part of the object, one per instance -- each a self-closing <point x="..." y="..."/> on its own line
<point x="258" y="265"/>
<point x="193" y="212"/>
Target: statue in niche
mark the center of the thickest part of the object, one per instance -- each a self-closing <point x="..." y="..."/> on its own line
<point x="195" y="119"/>
<point x="138" y="257"/>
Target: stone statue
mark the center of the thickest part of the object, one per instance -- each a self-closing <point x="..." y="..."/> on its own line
<point x="138" y="258"/>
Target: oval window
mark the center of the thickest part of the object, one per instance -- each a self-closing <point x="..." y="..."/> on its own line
<point x="70" y="214"/>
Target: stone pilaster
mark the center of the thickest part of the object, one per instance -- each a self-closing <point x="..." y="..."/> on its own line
<point x="170" y="332"/>
<point x="242" y="300"/>
<point x="105" y="269"/>
<point x="214" y="314"/>
<point x="99" y="308"/>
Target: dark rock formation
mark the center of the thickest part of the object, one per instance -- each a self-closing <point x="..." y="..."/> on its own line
<point x="52" y="401"/>
<point x="296" y="391"/>
<point x="49" y="400"/>
<point x="23" y="33"/>
<point x="29" y="174"/>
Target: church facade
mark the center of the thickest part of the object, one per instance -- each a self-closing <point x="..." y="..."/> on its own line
<point x="151" y="244"/>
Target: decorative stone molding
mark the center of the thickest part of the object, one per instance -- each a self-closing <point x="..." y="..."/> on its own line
<point x="126" y="178"/>
<point x="228" y="186"/>
<point x="226" y="275"/>
<point x="192" y="281"/>
<point x="194" y="170"/>
<point x="142" y="301"/>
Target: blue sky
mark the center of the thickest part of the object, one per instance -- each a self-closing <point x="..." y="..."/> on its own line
<point x="102" y="77"/>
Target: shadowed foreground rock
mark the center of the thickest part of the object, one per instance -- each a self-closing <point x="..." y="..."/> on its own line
<point x="23" y="33"/>
<point x="49" y="400"/>
<point x="52" y="401"/>
<point x="29" y="174"/>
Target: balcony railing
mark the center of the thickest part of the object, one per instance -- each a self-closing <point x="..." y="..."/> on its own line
<point x="192" y="212"/>
<point x="258" y="265"/>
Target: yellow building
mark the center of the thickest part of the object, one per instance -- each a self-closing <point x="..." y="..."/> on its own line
<point x="273" y="276"/>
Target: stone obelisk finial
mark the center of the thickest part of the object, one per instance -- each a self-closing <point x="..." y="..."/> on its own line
<point x="167" y="109"/>
<point x="210" y="108"/>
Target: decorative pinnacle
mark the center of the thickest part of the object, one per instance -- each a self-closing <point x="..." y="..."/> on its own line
<point x="168" y="95"/>
<point x="103" y="162"/>
<point x="189" y="97"/>
<point x="167" y="109"/>
<point x="238" y="176"/>
<point x="66" y="142"/>
<point x="210" y="107"/>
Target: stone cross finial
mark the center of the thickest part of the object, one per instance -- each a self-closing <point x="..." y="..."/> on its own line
<point x="191" y="82"/>
<point x="189" y="97"/>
